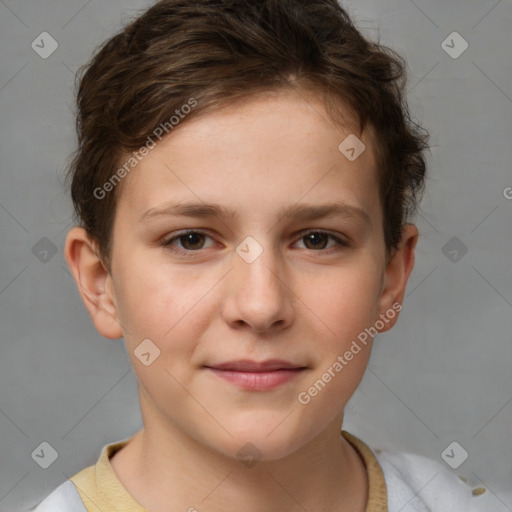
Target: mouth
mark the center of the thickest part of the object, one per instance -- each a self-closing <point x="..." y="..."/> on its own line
<point x="257" y="376"/>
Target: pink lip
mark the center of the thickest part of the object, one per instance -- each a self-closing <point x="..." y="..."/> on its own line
<point x="257" y="375"/>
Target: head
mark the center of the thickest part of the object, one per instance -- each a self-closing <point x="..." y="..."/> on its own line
<point x="246" y="109"/>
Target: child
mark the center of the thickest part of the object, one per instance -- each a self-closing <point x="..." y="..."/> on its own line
<point x="255" y="129"/>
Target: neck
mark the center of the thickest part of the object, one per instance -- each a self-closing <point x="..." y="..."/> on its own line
<point x="164" y="469"/>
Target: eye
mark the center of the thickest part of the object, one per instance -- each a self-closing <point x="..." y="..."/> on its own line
<point x="191" y="241"/>
<point x="316" y="240"/>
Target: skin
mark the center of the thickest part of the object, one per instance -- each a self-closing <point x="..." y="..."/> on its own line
<point x="297" y="301"/>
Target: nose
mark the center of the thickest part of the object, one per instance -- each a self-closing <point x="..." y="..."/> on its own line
<point x="258" y="294"/>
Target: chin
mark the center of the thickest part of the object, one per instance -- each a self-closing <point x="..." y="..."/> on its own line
<point x="258" y="442"/>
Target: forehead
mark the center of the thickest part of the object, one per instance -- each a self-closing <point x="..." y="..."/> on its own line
<point x="280" y="143"/>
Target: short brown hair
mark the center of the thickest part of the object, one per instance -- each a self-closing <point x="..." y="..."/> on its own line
<point x="219" y="51"/>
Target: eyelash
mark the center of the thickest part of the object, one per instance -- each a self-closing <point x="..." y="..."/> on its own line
<point x="167" y="242"/>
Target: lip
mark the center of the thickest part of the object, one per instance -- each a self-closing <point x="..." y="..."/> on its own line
<point x="257" y="376"/>
<point x="246" y="365"/>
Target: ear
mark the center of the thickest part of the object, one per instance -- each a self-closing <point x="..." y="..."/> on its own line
<point x="396" y="275"/>
<point x="94" y="282"/>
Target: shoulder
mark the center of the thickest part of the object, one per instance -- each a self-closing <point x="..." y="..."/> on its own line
<point x="418" y="484"/>
<point x="64" y="498"/>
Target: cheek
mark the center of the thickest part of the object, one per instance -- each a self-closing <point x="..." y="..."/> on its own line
<point x="149" y="297"/>
<point x="169" y="308"/>
<point x="347" y="305"/>
<point x="344" y="303"/>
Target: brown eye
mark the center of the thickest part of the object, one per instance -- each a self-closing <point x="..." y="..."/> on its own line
<point x="191" y="240"/>
<point x="186" y="242"/>
<point x="318" y="240"/>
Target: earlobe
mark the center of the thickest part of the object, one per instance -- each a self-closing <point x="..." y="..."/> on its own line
<point x="396" y="275"/>
<point x="94" y="282"/>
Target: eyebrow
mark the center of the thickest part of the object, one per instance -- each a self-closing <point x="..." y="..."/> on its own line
<point x="303" y="212"/>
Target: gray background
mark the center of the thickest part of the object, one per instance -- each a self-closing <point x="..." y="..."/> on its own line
<point x="441" y="375"/>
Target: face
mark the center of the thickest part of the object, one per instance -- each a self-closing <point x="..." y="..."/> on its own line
<point x="250" y="252"/>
